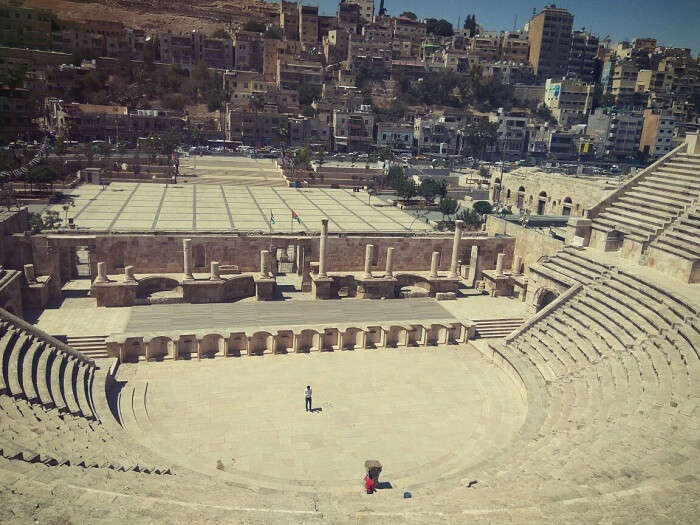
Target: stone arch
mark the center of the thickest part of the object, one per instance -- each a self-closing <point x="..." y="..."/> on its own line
<point x="211" y="344"/>
<point x="406" y="280"/>
<point x="284" y="341"/>
<point x="352" y="338"/>
<point x="543" y="297"/>
<point x="566" y="206"/>
<point x="160" y="347"/>
<point x="330" y="339"/>
<point x="306" y="340"/>
<point x="436" y="334"/>
<point x="541" y="203"/>
<point x="260" y="342"/>
<point x="237" y="344"/>
<point x="395" y="336"/>
<point x="520" y="201"/>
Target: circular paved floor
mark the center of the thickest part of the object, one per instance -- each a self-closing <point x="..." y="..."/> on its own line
<point x="422" y="412"/>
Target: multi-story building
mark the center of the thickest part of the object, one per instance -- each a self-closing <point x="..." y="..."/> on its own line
<point x="511" y="134"/>
<point x="274" y="50"/>
<point x="176" y="49"/>
<point x="186" y="51"/>
<point x="289" y="19"/>
<point x="515" y="47"/>
<point x="582" y="56"/>
<point x="308" y="25"/>
<point x="377" y="32"/>
<point x="550" y="42"/>
<point x="305" y="131"/>
<point x="436" y="134"/>
<point x="509" y="72"/>
<point x="346" y="97"/>
<point x="618" y="133"/>
<point x="407" y="29"/>
<point x="88" y="122"/>
<point x="569" y="100"/>
<point x="624" y="82"/>
<point x="335" y="45"/>
<point x="249" y="51"/>
<point x="353" y="131"/>
<point x="254" y="128"/>
<point x="487" y="46"/>
<point x="657" y="134"/>
<point x="397" y="136"/>
<point x="348" y="16"/>
<point x="326" y="24"/>
<point x="241" y="86"/>
<point x="26" y="27"/>
<point x="366" y="9"/>
<point x="293" y="73"/>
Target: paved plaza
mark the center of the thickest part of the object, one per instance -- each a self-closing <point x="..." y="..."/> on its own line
<point x="230" y="170"/>
<point x="217" y="207"/>
<point x="245" y="418"/>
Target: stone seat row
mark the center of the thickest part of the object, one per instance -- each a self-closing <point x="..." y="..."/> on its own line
<point x="650" y="204"/>
<point x="38" y="434"/>
<point x="683" y="237"/>
<point x="42" y="372"/>
<point x="282" y="340"/>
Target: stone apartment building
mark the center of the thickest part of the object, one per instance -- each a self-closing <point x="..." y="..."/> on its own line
<point x="293" y="73"/>
<point x="240" y="86"/>
<point x="114" y="124"/>
<point x="550" y="42"/>
<point x="305" y="131"/>
<point x="583" y="63"/>
<point x="515" y="47"/>
<point x="253" y="128"/>
<point x="353" y="130"/>
<point x="188" y="50"/>
<point x="397" y="136"/>
<point x="336" y="45"/>
<point x="508" y="72"/>
<point x="348" y="16"/>
<point x="249" y="51"/>
<point x="289" y="19"/>
<point x="511" y="138"/>
<point x="618" y="133"/>
<point x="366" y="9"/>
<point x="308" y="25"/>
<point x="658" y="132"/>
<point x="275" y="50"/>
<point x="437" y="134"/>
<point x="26" y="27"/>
<point x="569" y="100"/>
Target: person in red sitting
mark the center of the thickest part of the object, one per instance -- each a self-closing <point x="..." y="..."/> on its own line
<point x="369" y="484"/>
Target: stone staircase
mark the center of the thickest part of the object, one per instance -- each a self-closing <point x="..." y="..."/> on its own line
<point x="648" y="204"/>
<point x="682" y="238"/>
<point x="92" y="346"/>
<point x="48" y="407"/>
<point x="492" y="328"/>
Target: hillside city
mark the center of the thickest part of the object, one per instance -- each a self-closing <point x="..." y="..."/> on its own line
<point x="280" y="80"/>
<point x="470" y="253"/>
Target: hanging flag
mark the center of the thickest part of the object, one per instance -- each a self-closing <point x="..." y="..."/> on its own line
<point x="295" y="216"/>
<point x="272" y="218"/>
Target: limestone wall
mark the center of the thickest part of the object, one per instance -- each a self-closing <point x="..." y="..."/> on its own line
<point x="153" y="253"/>
<point x="530" y="244"/>
<point x="583" y="193"/>
<point x="11" y="222"/>
<point x="11" y="291"/>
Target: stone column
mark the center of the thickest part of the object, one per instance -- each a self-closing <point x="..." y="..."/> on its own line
<point x="434" y="265"/>
<point x="473" y="266"/>
<point x="517" y="265"/>
<point x="322" y="249"/>
<point x="499" y="263"/>
<point x="187" y="259"/>
<point x="264" y="264"/>
<point x="389" y="272"/>
<point x="29" y="273"/>
<point x="129" y="274"/>
<point x="273" y="261"/>
<point x="214" y="274"/>
<point x="101" y="273"/>
<point x="459" y="225"/>
<point x="369" y="251"/>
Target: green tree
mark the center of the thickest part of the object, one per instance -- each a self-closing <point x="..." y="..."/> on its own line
<point x="302" y="158"/>
<point x="478" y="135"/>
<point x="448" y="206"/>
<point x="482" y="207"/>
<point x="470" y="218"/>
<point x="51" y="220"/>
<point x="396" y="176"/>
<point x="308" y="93"/>
<point x="407" y="189"/>
<point x="439" y="27"/>
<point x="430" y="188"/>
<point x="409" y="14"/>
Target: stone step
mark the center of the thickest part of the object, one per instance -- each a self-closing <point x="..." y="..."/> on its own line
<point x="29" y="365"/>
<point x="656" y="209"/>
<point x="646" y="197"/>
<point x="57" y="364"/>
<point x="631" y="227"/>
<point x="674" y="248"/>
<point x="94" y="347"/>
<point x="69" y="384"/>
<point x="678" y="173"/>
<point x="648" y="221"/>
<point x="681" y="239"/>
<point x="666" y="191"/>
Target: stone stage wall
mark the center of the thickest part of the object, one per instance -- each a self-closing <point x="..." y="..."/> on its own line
<point x="53" y="254"/>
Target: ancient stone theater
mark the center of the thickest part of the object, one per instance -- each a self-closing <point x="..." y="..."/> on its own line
<point x="154" y="368"/>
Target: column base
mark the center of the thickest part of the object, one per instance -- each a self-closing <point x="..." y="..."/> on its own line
<point x="321" y="287"/>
